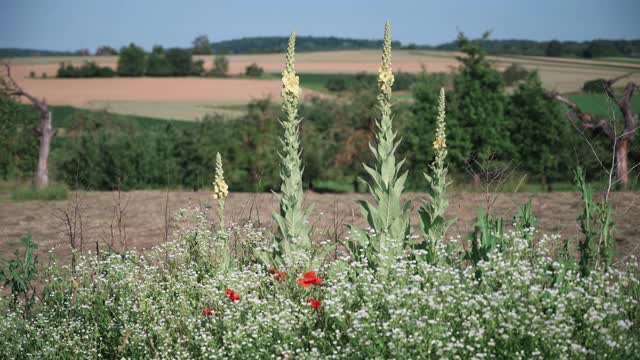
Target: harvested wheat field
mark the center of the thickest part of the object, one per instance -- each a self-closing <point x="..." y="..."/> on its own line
<point x="564" y="75"/>
<point x="144" y="216"/>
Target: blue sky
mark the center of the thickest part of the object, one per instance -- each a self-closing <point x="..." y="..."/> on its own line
<point x="75" y="24"/>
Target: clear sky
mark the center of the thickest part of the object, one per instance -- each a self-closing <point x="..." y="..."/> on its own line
<point x="75" y="24"/>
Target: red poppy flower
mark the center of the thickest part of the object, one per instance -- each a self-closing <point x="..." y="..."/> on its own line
<point x="207" y="311"/>
<point x="233" y="296"/>
<point x="314" y="303"/>
<point x="278" y="275"/>
<point x="310" y="278"/>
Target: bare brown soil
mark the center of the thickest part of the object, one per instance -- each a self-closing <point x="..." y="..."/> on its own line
<point x="145" y="226"/>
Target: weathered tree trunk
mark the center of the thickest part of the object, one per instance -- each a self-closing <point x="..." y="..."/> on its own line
<point x="620" y="142"/>
<point x="45" y="130"/>
<point x="622" y="167"/>
<point x="46" y="133"/>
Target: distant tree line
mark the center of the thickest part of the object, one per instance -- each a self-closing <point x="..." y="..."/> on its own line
<point x="134" y="61"/>
<point x="554" y="48"/>
<point x="276" y="44"/>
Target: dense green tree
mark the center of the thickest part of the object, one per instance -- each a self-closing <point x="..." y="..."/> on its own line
<point x="106" y="51"/>
<point x="202" y="45"/>
<point x="18" y="145"/>
<point x="540" y="132"/>
<point x="181" y="61"/>
<point x="479" y="105"/>
<point x="554" y="48"/>
<point x="158" y="64"/>
<point x="132" y="61"/>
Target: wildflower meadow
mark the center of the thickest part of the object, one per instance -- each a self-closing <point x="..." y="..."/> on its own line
<point x="388" y="290"/>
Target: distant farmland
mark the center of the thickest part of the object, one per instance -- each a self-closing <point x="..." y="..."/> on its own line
<point x="191" y="98"/>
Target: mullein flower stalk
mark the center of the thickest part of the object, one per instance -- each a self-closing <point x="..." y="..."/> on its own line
<point x="293" y="230"/>
<point x="388" y="218"/>
<point x="432" y="214"/>
<point x="220" y="190"/>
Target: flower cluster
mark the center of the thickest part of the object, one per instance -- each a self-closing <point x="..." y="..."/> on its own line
<point x="233" y="296"/>
<point x="385" y="75"/>
<point x="310" y="278"/>
<point x="220" y="187"/>
<point x="440" y="142"/>
<point x="290" y="84"/>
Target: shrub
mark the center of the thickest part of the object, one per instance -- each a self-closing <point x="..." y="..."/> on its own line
<point x="198" y="68"/>
<point x="514" y="73"/>
<point x="220" y="66"/>
<point x="595" y="86"/>
<point x="254" y="70"/>
<point x="87" y="70"/>
<point x="336" y="84"/>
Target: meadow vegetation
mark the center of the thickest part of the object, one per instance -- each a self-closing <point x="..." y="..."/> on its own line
<point x="228" y="290"/>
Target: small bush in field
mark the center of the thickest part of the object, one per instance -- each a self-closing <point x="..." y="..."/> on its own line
<point x="254" y="70"/>
<point x="594" y="86"/>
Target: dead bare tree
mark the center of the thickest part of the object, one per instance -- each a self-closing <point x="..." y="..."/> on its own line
<point x="45" y="130"/>
<point x="620" y="141"/>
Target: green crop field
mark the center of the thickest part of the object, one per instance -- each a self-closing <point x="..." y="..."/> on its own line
<point x="600" y="105"/>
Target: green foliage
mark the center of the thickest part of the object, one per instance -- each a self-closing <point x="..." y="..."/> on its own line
<point x="403" y="80"/>
<point x="254" y="70"/>
<point x="543" y="138"/>
<point x="487" y="236"/>
<point x="53" y="192"/>
<point x="597" y="247"/>
<point x="202" y="45"/>
<point x="417" y="129"/>
<point x="106" y="51"/>
<point x="181" y="61"/>
<point x="18" y="145"/>
<point x="554" y="49"/>
<point x="277" y="44"/>
<point x="514" y="73"/>
<point x="220" y="66"/>
<point x="158" y="64"/>
<point x="479" y="106"/>
<point x="88" y="70"/>
<point x="595" y="86"/>
<point x="132" y="61"/>
<point x="18" y="274"/>
<point x="525" y="222"/>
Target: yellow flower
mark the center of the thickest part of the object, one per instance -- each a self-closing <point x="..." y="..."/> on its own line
<point x="385" y="79"/>
<point x="291" y="83"/>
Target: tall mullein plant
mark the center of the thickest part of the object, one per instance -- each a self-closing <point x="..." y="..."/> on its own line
<point x="293" y="229"/>
<point x="220" y="194"/>
<point x="388" y="218"/>
<point x="220" y="190"/>
<point x="432" y="219"/>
